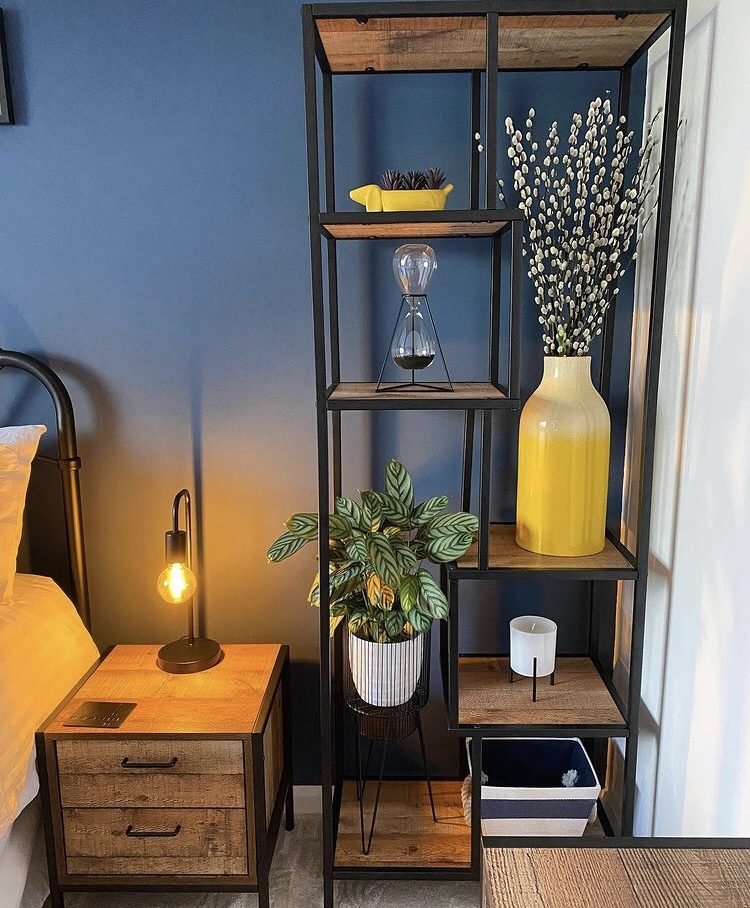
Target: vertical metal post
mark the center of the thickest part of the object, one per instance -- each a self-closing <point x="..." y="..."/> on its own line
<point x="333" y="326"/>
<point x="484" y="489"/>
<point x="313" y="180"/>
<point x="658" y="294"/>
<point x="453" y="651"/>
<point x="476" y="803"/>
<point x="468" y="460"/>
<point x="608" y="335"/>
<point x="516" y="289"/>
<point x="494" y="346"/>
<point x="490" y="114"/>
<point x="476" y="127"/>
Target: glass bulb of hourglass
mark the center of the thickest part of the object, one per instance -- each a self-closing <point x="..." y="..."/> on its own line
<point x="414" y="344"/>
<point x="413" y="264"/>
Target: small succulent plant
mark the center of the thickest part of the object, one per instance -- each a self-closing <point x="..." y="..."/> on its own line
<point x="433" y="178"/>
<point x="391" y="179"/>
<point x="415" y="179"/>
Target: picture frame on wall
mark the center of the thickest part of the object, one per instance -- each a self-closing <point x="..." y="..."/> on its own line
<point x="6" y="100"/>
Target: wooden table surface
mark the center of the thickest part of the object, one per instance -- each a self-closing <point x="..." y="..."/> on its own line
<point x="616" y="878"/>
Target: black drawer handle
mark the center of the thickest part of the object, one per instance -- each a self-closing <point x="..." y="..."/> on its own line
<point x="127" y="764"/>
<point x="132" y="833"/>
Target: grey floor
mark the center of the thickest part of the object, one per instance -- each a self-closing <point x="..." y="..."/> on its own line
<point x="296" y="881"/>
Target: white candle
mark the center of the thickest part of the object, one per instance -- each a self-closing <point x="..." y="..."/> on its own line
<point x="532" y="637"/>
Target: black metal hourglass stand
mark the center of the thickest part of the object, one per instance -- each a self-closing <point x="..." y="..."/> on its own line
<point x="385" y="675"/>
<point x="415" y="347"/>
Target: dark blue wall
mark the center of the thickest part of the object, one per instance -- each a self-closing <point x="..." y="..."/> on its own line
<point x="155" y="250"/>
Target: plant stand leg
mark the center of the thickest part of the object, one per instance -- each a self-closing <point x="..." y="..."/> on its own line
<point x="426" y="767"/>
<point x="366" y="846"/>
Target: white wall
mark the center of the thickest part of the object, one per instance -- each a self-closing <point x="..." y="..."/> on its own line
<point x="694" y="756"/>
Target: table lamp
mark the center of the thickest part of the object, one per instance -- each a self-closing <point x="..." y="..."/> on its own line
<point x="177" y="584"/>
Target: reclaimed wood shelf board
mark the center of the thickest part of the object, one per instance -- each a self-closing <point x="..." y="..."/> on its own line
<point x="405" y="833"/>
<point x="403" y="225"/>
<point x="465" y="395"/>
<point x="458" y="43"/>
<point x="630" y="877"/>
<point x="506" y="554"/>
<point x="578" y="697"/>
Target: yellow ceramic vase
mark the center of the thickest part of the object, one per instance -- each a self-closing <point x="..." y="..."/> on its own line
<point x="563" y="462"/>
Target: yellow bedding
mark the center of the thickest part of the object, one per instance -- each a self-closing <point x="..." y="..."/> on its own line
<point x="44" y="650"/>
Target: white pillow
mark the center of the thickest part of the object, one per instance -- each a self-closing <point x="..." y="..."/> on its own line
<point x="18" y="445"/>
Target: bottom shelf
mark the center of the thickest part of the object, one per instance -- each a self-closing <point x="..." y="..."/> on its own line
<point x="405" y="833"/>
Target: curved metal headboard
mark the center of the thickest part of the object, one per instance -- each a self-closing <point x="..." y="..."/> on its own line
<point x="69" y="464"/>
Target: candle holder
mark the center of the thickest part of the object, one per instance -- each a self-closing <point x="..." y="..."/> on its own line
<point x="533" y="641"/>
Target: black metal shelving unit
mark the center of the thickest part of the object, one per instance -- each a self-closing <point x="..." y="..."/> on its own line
<point x="480" y="38"/>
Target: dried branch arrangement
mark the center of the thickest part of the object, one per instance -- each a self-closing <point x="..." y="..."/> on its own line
<point x="583" y="220"/>
<point x="433" y="178"/>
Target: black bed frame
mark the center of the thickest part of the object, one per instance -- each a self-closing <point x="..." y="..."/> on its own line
<point x="69" y="464"/>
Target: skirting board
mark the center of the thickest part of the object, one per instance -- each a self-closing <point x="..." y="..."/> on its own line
<point x="307" y="799"/>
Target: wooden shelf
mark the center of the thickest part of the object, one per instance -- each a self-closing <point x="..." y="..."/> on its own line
<point x="359" y="225"/>
<point x="579" y="697"/>
<point x="631" y="877"/>
<point x="506" y="555"/>
<point x="405" y="833"/>
<point x="357" y="44"/>
<point x="467" y="395"/>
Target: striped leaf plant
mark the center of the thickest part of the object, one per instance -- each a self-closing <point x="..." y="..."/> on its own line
<point x="378" y="546"/>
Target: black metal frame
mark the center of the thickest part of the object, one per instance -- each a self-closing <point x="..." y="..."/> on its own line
<point x="329" y="408"/>
<point x="69" y="464"/>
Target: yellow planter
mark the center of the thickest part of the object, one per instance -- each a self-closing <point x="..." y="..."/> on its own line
<point x="563" y="462"/>
<point x="376" y="199"/>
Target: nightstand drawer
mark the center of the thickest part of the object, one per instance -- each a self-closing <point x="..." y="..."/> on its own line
<point x="151" y="773"/>
<point x="149" y="841"/>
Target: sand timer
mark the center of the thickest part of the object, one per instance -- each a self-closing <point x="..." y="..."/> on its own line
<point x="414" y="343"/>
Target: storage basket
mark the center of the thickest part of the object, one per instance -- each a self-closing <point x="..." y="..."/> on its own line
<point x="524" y="794"/>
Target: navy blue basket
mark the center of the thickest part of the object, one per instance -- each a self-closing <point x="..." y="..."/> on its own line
<point x="524" y="793"/>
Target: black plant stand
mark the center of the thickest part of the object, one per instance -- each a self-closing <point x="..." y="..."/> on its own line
<point x="386" y="723"/>
<point x="385" y="728"/>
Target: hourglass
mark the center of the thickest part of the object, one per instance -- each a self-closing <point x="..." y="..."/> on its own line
<point x="414" y="342"/>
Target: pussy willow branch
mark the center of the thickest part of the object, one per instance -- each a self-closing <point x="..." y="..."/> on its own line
<point x="584" y="223"/>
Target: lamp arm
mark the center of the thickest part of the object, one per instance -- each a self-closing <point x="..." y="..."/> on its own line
<point x="184" y="496"/>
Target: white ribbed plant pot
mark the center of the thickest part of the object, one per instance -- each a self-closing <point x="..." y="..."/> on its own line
<point x="385" y="674"/>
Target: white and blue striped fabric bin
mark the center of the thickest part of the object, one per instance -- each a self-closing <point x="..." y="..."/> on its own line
<point x="524" y="795"/>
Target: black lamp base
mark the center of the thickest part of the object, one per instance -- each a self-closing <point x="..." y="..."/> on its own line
<point x="181" y="657"/>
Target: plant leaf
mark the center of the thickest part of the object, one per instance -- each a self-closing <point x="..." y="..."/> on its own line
<point x="305" y="525"/>
<point x="346" y="507"/>
<point x="406" y="558"/>
<point x="348" y="572"/>
<point x="447" y="548"/>
<point x="398" y="483"/>
<point x="452" y="524"/>
<point x="333" y="623"/>
<point x="394" y="510"/>
<point x="372" y="512"/>
<point x="431" y="597"/>
<point x="384" y="559"/>
<point x="409" y="592"/>
<point x="357" y="619"/>
<point x="374" y="586"/>
<point x="394" y="623"/>
<point x="287" y="544"/>
<point x="357" y="549"/>
<point x="387" y="597"/>
<point x="313" y="597"/>
<point x="420" y="621"/>
<point x="339" y="527"/>
<point x="429" y="509"/>
<point x="392" y="532"/>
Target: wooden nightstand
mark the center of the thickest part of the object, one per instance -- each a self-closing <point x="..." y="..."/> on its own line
<point x="188" y="793"/>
